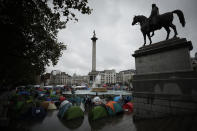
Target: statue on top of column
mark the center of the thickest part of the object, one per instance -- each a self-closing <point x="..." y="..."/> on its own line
<point x="94" y="34"/>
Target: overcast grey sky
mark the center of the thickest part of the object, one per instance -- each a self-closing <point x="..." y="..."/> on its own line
<point x="117" y="39"/>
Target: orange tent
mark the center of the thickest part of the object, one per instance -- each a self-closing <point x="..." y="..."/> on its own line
<point x="110" y="104"/>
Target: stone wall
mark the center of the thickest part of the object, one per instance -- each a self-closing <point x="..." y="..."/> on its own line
<point x="151" y="105"/>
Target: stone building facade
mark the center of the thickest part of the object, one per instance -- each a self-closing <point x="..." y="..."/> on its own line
<point x="79" y="80"/>
<point x="125" y="76"/>
<point x="60" y="78"/>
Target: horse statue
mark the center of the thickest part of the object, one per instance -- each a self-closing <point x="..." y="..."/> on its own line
<point x="163" y="20"/>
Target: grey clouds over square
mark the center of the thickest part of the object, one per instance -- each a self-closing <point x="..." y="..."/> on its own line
<point x="117" y="38"/>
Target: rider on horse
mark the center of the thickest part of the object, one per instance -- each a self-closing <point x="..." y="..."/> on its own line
<point x="153" y="17"/>
<point x="157" y="21"/>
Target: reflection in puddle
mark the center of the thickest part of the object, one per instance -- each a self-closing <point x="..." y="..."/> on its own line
<point x="51" y="122"/>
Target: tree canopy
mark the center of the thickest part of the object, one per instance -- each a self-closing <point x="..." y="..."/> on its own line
<point x="29" y="31"/>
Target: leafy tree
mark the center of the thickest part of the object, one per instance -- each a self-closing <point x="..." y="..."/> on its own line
<point x="29" y="31"/>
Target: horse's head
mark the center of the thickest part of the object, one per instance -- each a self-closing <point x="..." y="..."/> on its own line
<point x="139" y="18"/>
<point x="135" y="20"/>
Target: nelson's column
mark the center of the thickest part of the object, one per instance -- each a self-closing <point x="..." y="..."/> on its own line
<point x="93" y="73"/>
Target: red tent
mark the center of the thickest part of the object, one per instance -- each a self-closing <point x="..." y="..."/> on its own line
<point x="128" y="107"/>
<point x="62" y="98"/>
<point x="40" y="89"/>
<point x="104" y="85"/>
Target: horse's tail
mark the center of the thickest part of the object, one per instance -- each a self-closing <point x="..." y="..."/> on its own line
<point x="181" y="16"/>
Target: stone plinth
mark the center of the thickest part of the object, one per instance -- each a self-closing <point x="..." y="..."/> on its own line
<point x="92" y="75"/>
<point x="167" y="56"/>
<point x="164" y="72"/>
<point x="165" y="67"/>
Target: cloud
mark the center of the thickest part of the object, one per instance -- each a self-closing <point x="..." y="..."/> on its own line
<point x="117" y="39"/>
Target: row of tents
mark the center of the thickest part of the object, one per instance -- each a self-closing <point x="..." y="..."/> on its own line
<point x="69" y="112"/>
<point x="34" y="102"/>
<point x="26" y="103"/>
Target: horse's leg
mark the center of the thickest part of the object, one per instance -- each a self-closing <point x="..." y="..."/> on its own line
<point x="153" y="33"/>
<point x="149" y="37"/>
<point x="144" y="34"/>
<point x="174" y="28"/>
<point x="168" y="31"/>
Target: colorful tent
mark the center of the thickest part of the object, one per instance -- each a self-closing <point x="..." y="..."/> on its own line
<point x="19" y="105"/>
<point x="118" y="108"/>
<point x="113" y="108"/>
<point x="40" y="89"/>
<point x="54" y="97"/>
<point x="48" y="99"/>
<point x="23" y="93"/>
<point x="45" y="104"/>
<point x="117" y="98"/>
<point x="76" y="100"/>
<point x="128" y="107"/>
<point x="65" y="105"/>
<point x="73" y="112"/>
<point x="97" y="112"/>
<point x="110" y="105"/>
<point x="104" y="85"/>
<point x="52" y="106"/>
<point x="97" y="100"/>
<point x="62" y="98"/>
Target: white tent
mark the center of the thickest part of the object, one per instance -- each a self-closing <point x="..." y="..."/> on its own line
<point x="97" y="100"/>
<point x="52" y="106"/>
<point x="64" y="103"/>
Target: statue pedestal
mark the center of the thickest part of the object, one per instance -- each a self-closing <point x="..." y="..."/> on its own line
<point x="167" y="56"/>
<point x="165" y="83"/>
<point x="92" y="75"/>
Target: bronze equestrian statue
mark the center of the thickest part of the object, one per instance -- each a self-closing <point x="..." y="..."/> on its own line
<point x="157" y="21"/>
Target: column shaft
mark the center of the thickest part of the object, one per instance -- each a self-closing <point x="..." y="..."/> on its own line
<point x="93" y="55"/>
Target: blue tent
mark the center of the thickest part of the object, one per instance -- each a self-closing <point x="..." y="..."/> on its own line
<point x="117" y="109"/>
<point x="116" y="99"/>
<point x="63" y="109"/>
<point x="76" y="100"/>
<point x="48" y="99"/>
<point x="24" y="93"/>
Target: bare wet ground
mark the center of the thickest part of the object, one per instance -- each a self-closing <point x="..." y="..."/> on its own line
<point x="174" y="123"/>
<point x="52" y="123"/>
<point x="122" y="122"/>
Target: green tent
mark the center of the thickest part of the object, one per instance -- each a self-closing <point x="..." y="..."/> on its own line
<point x="19" y="105"/>
<point x="73" y="113"/>
<point x="97" y="112"/>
